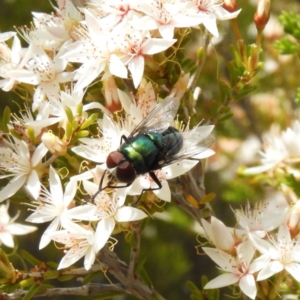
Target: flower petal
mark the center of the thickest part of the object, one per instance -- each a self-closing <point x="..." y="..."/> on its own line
<point x="20" y="229"/>
<point x="70" y="192"/>
<point x="269" y="270"/>
<point x="136" y="68"/>
<point x="127" y="213"/>
<point x="33" y="184"/>
<point x="89" y="258"/>
<point x="104" y="229"/>
<point x="222" y="280"/>
<point x="7" y="239"/>
<point x="164" y="193"/>
<point x="55" y="185"/>
<point x="72" y="256"/>
<point x="223" y="259"/>
<point x="12" y="187"/>
<point x="222" y="236"/>
<point x="46" y="239"/>
<point x="247" y="285"/>
<point x="294" y="270"/>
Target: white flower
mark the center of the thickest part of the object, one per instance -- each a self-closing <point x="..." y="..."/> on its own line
<point x="164" y="16"/>
<point x="4" y="36"/>
<point x="53" y="205"/>
<point x="80" y="240"/>
<point x="97" y="150"/>
<point x="208" y="12"/>
<point x="51" y="31"/>
<point x="284" y="254"/>
<point x="8" y="227"/>
<point x="11" y="59"/>
<point x="239" y="269"/>
<point x="264" y="216"/>
<point x="223" y="237"/>
<point x="146" y="182"/>
<point x="282" y="149"/>
<point x="43" y="71"/>
<point x="116" y="14"/>
<point x="22" y="165"/>
<point x="107" y="210"/>
<point x="94" y="53"/>
<point x="136" y="111"/>
<point x="136" y="46"/>
<point x="274" y="153"/>
<point x="54" y="110"/>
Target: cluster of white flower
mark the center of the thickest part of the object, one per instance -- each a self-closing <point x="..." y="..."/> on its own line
<point x="52" y="139"/>
<point x="281" y="151"/>
<point x="67" y="52"/>
<point x="261" y="245"/>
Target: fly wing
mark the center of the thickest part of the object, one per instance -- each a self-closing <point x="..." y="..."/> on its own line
<point x="195" y="142"/>
<point x="160" y="118"/>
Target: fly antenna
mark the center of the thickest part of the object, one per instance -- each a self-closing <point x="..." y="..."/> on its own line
<point x="100" y="187"/>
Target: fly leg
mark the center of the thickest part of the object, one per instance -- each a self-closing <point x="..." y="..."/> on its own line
<point x="156" y="180"/>
<point x="100" y="189"/>
<point x="123" y="138"/>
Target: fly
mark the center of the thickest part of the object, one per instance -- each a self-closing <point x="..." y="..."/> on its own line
<point x="153" y="144"/>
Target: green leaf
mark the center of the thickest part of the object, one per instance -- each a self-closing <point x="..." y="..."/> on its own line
<point x="144" y="276"/>
<point x="30" y="258"/>
<point x="65" y="277"/>
<point x="204" y="281"/>
<point x="196" y="294"/>
<point x="9" y="288"/>
<point x="297" y="98"/>
<point x="225" y="91"/>
<point x="52" y="265"/>
<point x="82" y="133"/>
<point x="69" y="114"/>
<point x="213" y="294"/>
<point x="191" y="286"/>
<point x="51" y="274"/>
<point x="32" y="291"/>
<point x="91" y="277"/>
<point x="5" y="119"/>
<point x="140" y="263"/>
<point x="89" y="121"/>
<point x="247" y="89"/>
<point x="291" y="23"/>
<point x="287" y="46"/>
<point x="225" y="117"/>
<point x="292" y="182"/>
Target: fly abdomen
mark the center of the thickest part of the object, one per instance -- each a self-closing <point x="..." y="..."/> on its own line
<point x="172" y="143"/>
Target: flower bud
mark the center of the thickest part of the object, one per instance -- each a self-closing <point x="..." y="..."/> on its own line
<point x="55" y="145"/>
<point x="262" y="14"/>
<point x="230" y="5"/>
<point x="112" y="101"/>
<point x="294" y="220"/>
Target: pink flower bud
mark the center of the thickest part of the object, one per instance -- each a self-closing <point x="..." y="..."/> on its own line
<point x="230" y="5"/>
<point x="262" y="14"/>
<point x="294" y="221"/>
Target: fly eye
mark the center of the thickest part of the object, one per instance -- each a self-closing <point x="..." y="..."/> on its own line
<point x="114" y="159"/>
<point x="125" y="172"/>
